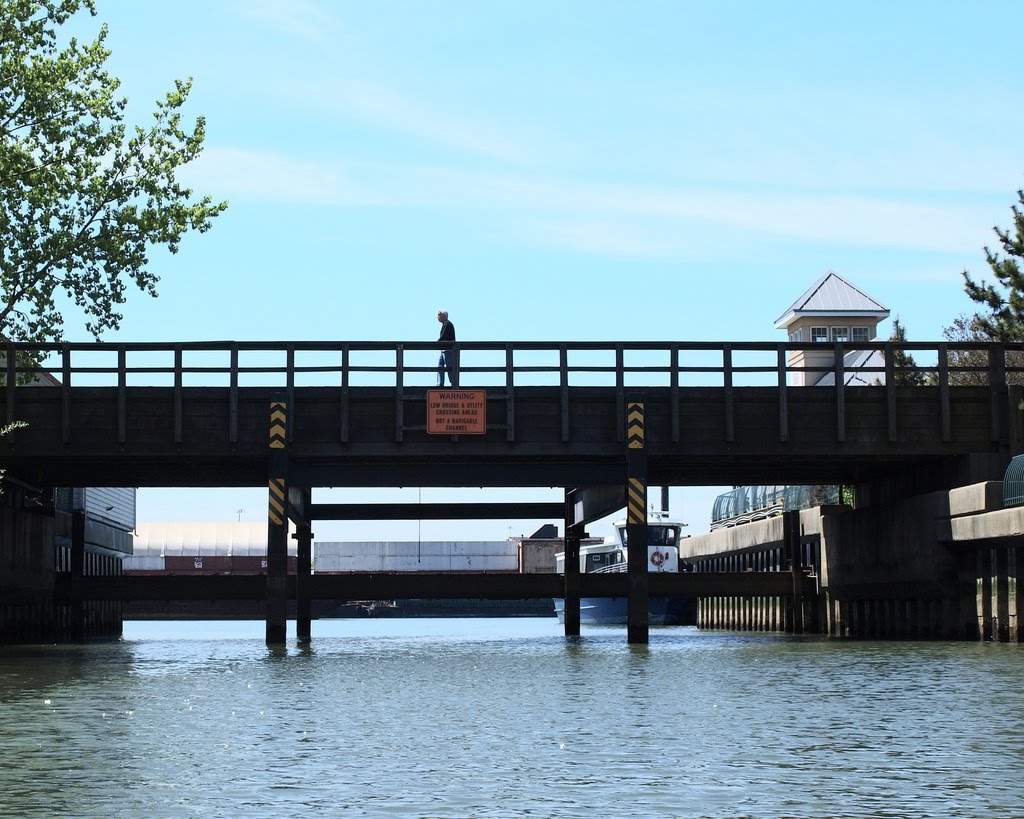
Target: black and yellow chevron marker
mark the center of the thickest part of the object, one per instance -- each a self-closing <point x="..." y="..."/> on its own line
<point x="635" y="425"/>
<point x="276" y="494"/>
<point x="278" y="424"/>
<point x="636" y="501"/>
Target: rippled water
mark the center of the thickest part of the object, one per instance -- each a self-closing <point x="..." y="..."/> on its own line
<point x="508" y="718"/>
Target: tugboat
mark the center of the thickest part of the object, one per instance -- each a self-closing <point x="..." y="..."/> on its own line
<point x="663" y="536"/>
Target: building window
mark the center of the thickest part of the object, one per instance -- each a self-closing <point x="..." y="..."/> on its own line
<point x="819" y="334"/>
<point x="840" y="333"/>
<point x="797" y="335"/>
<point x="861" y="333"/>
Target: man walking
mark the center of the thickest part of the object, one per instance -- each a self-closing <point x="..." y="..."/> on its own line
<point x="449" y="360"/>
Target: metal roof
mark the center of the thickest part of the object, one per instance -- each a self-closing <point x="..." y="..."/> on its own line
<point x="832" y="295"/>
<point x="203" y="538"/>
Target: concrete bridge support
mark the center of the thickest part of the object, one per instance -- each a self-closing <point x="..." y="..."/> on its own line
<point x="993" y="593"/>
<point x="790" y="614"/>
<point x="944" y="565"/>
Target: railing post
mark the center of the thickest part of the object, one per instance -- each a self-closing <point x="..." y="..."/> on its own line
<point x="674" y="392"/>
<point x="620" y="394"/>
<point x="890" y="390"/>
<point x="783" y="384"/>
<point x="563" y="382"/>
<point x="290" y="389"/>
<point x="839" y="368"/>
<point x="122" y="398"/>
<point x="997" y="388"/>
<point x="12" y="380"/>
<point x="510" y="400"/>
<point x="399" y="396"/>
<point x="178" y="433"/>
<point x="944" y="412"/>
<point x="233" y="396"/>
<point x="65" y="410"/>
<point x="343" y="396"/>
<point x="730" y="421"/>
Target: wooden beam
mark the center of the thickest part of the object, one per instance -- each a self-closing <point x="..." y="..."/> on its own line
<point x="434" y="511"/>
<point x="425" y="585"/>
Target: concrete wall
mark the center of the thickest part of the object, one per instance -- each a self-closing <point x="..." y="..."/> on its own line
<point x="938" y="565"/>
<point x="414" y="556"/>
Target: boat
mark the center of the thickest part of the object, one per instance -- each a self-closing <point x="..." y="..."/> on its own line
<point x="612" y="556"/>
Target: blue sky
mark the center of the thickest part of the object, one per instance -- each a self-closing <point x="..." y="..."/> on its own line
<point x="524" y="163"/>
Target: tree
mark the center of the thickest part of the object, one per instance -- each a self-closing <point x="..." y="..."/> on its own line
<point x="906" y="372"/>
<point x="82" y="200"/>
<point x="1005" y="298"/>
<point x="971" y="367"/>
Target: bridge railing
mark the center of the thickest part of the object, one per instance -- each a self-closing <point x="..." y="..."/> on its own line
<point x="504" y="368"/>
<point x="409" y="364"/>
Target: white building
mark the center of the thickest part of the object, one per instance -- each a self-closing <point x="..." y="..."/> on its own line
<point x="833" y="310"/>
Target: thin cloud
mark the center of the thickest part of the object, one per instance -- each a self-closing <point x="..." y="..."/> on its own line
<point x="398" y="113"/>
<point x="609" y="238"/>
<point x="614" y="219"/>
<point x="267" y="176"/>
<point x="300" y="18"/>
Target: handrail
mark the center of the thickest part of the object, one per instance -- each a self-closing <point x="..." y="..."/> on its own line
<point x="631" y="363"/>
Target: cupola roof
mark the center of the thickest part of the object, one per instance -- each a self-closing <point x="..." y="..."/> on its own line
<point x="832" y="295"/>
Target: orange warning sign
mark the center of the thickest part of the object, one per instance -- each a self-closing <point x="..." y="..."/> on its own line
<point x="456" y="412"/>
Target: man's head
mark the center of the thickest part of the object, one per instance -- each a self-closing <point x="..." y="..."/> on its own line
<point x="442" y="316"/>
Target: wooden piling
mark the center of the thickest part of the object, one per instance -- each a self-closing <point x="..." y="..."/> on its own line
<point x="277" y="526"/>
<point x="638" y="604"/>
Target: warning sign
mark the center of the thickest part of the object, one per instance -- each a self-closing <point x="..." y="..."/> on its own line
<point x="456" y="412"/>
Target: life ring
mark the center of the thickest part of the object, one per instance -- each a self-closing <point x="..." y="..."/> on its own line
<point x="657" y="558"/>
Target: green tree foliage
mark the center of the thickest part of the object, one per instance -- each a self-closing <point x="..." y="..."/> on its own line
<point x="971" y="367"/>
<point x="1005" y="298"/>
<point x="907" y="374"/>
<point x="967" y="367"/>
<point x="83" y="199"/>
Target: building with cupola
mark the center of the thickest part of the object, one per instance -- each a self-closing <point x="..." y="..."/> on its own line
<point x="832" y="310"/>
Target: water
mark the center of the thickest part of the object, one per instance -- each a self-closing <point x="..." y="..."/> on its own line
<point x="508" y="718"/>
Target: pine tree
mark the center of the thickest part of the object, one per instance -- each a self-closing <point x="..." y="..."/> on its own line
<point x="907" y="374"/>
<point x="1004" y="298"/>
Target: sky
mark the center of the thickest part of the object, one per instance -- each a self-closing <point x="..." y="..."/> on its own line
<point x="525" y="164"/>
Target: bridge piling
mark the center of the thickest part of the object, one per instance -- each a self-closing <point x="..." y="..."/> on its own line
<point x="77" y="572"/>
<point x="299" y="503"/>
<point x="791" y="544"/>
<point x="638" y="605"/>
<point x="571" y="568"/>
<point x="277" y="527"/>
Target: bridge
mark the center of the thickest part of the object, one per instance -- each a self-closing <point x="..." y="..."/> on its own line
<point x="603" y="421"/>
